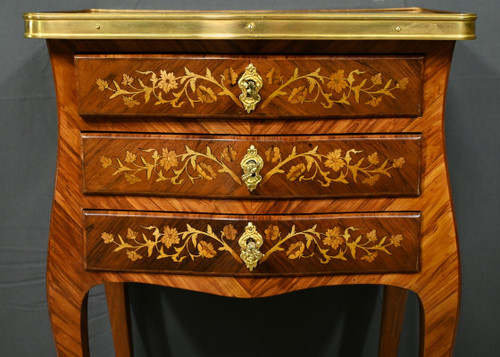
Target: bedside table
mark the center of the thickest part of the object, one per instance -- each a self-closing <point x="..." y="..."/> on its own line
<point x="250" y="154"/>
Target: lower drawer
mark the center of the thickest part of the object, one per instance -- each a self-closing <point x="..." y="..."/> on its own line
<point x="270" y="245"/>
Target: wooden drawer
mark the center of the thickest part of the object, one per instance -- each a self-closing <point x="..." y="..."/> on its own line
<point x="252" y="166"/>
<point x="212" y="86"/>
<point x="252" y="245"/>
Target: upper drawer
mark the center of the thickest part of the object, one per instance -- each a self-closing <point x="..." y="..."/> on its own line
<point x="371" y="165"/>
<point x="270" y="86"/>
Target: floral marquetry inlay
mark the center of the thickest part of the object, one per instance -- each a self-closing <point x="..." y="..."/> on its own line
<point x="171" y="166"/>
<point x="168" y="242"/>
<point x="322" y="168"/>
<point x="324" y="245"/>
<point x="333" y="243"/>
<point x="326" y="87"/>
<point x="331" y="88"/>
<point x="333" y="166"/>
<point x="166" y="88"/>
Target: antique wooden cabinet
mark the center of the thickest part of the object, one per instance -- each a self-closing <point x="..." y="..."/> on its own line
<point x="250" y="154"/>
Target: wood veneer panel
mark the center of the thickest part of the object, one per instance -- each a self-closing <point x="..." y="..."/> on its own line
<point x="293" y="167"/>
<point x="203" y="244"/>
<point x="207" y="86"/>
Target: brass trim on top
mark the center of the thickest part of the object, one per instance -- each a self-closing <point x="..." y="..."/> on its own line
<point x="383" y="24"/>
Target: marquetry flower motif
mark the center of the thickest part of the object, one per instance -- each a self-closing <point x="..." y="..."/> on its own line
<point x="131" y="234"/>
<point x="130" y="102"/>
<point x="370" y="257"/>
<point x="273" y="154"/>
<point x="131" y="178"/>
<point x="371" y="180"/>
<point x="107" y="237"/>
<point x="129" y="157"/>
<point x="337" y="81"/>
<point x="206" y="249"/>
<point x="374" y="101"/>
<point x="372" y="236"/>
<point x="272" y="232"/>
<point x="102" y="84"/>
<point x="396" y="240"/>
<point x="402" y="83"/>
<point x="169" y="159"/>
<point x="334" y="243"/>
<point x="373" y="158"/>
<point x="377" y="79"/>
<point x="127" y="80"/>
<point x="274" y="76"/>
<point x="229" y="232"/>
<point x="133" y="255"/>
<point x="333" y="238"/>
<point x="230" y="75"/>
<point x="398" y="163"/>
<point x="229" y="154"/>
<point x="334" y="160"/>
<point x="167" y="81"/>
<point x="170" y="236"/>
<point x="105" y="161"/>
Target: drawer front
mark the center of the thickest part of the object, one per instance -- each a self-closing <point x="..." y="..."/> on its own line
<point x="252" y="166"/>
<point x="252" y="245"/>
<point x="277" y="86"/>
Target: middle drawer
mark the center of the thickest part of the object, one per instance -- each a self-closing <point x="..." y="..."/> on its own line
<point x="252" y="166"/>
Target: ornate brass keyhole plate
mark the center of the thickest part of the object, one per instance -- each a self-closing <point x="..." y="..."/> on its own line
<point x="251" y="164"/>
<point x="250" y="84"/>
<point x="250" y="242"/>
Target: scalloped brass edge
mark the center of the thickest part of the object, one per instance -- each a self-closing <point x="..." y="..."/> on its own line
<point x="386" y="24"/>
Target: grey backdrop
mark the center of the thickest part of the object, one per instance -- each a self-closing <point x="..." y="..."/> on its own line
<point x="336" y="321"/>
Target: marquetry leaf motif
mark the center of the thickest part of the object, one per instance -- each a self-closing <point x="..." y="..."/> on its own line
<point x="333" y="243"/>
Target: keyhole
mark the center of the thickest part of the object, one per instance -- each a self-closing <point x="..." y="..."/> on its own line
<point x="250" y="88"/>
<point x="251" y="243"/>
<point x="252" y="164"/>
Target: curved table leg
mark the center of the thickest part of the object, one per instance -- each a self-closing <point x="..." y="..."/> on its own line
<point x="119" y="315"/>
<point x="68" y="314"/>
<point x="439" y="319"/>
<point x="67" y="285"/>
<point x="393" y="312"/>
